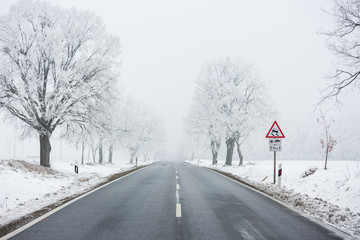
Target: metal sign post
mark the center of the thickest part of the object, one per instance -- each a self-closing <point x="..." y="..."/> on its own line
<point x="274" y="167"/>
<point x="275" y="134"/>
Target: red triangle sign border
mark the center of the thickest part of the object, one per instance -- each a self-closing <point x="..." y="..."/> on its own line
<point x="268" y="134"/>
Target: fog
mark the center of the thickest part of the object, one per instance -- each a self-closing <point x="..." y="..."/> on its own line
<point x="165" y="44"/>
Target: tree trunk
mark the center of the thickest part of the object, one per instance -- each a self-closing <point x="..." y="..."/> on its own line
<point x="215" y="146"/>
<point x="82" y="153"/>
<point x="132" y="155"/>
<point x="326" y="156"/>
<point x="241" y="157"/>
<point x="230" y="142"/>
<point x="45" y="149"/>
<point x="100" y="152"/>
<point x="93" y="153"/>
<point x="111" y="148"/>
<point x="214" y="157"/>
<point x="88" y="154"/>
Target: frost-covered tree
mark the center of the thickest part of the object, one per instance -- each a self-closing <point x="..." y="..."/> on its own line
<point x="343" y="40"/>
<point x="53" y="62"/>
<point x="330" y="142"/>
<point x="202" y="120"/>
<point x="154" y="147"/>
<point x="114" y="126"/>
<point x="193" y="145"/>
<point x="234" y="98"/>
<point x="140" y="126"/>
<point x="97" y="128"/>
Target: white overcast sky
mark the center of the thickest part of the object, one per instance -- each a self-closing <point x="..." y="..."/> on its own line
<point x="165" y="43"/>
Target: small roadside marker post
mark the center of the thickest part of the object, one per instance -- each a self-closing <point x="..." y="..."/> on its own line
<point x="279" y="174"/>
<point x="275" y="134"/>
<point x="77" y="172"/>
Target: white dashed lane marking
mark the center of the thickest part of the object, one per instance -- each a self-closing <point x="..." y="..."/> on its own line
<point x="178" y="210"/>
<point x="178" y="205"/>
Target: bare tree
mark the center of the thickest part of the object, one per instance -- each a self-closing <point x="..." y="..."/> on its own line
<point x="53" y="62"/>
<point x="344" y="42"/>
<point x="330" y="142"/>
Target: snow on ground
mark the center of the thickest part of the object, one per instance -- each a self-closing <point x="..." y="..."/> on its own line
<point x="331" y="195"/>
<point x="27" y="187"/>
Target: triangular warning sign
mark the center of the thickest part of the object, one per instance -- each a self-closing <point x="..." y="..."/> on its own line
<point x="275" y="132"/>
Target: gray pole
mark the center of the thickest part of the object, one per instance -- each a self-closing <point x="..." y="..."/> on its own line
<point x="274" y="167"/>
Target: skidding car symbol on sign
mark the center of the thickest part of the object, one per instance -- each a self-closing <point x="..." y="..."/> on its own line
<point x="275" y="132"/>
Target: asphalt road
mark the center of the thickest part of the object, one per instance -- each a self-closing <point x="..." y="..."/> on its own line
<point x="175" y="201"/>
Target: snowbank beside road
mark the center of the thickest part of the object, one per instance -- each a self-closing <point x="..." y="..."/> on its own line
<point x="331" y="195"/>
<point x="27" y="187"/>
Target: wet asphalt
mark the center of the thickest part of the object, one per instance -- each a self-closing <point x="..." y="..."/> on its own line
<point x="144" y="205"/>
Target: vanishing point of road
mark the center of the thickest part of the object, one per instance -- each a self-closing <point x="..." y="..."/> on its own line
<point x="169" y="200"/>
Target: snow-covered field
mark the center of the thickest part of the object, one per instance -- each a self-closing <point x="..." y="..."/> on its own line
<point x="331" y="195"/>
<point x="26" y="187"/>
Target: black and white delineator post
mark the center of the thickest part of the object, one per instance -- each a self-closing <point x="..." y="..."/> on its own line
<point x="279" y="174"/>
<point x="275" y="134"/>
<point x="77" y="172"/>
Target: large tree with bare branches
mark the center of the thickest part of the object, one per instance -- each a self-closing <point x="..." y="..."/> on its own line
<point x="343" y="40"/>
<point x="54" y="61"/>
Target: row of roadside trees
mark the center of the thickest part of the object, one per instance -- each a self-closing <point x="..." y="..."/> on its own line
<point x="60" y="70"/>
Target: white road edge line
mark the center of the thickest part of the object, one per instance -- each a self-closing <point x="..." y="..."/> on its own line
<point x="19" y="230"/>
<point x="325" y="225"/>
<point x="178" y="210"/>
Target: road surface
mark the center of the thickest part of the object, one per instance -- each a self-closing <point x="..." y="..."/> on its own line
<point x="175" y="201"/>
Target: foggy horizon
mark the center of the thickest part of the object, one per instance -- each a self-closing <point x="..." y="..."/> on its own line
<point x="165" y="44"/>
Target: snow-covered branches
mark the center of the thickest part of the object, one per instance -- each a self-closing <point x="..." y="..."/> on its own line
<point x="55" y="63"/>
<point x="140" y="126"/>
<point x="229" y="101"/>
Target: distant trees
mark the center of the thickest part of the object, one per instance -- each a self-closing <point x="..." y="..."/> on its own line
<point x="140" y="127"/>
<point x="121" y="121"/>
<point x="201" y="121"/>
<point x="99" y="127"/>
<point x="344" y="42"/>
<point x="193" y="145"/>
<point x="229" y="101"/>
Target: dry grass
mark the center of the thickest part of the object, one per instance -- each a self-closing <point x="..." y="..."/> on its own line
<point x="28" y="167"/>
